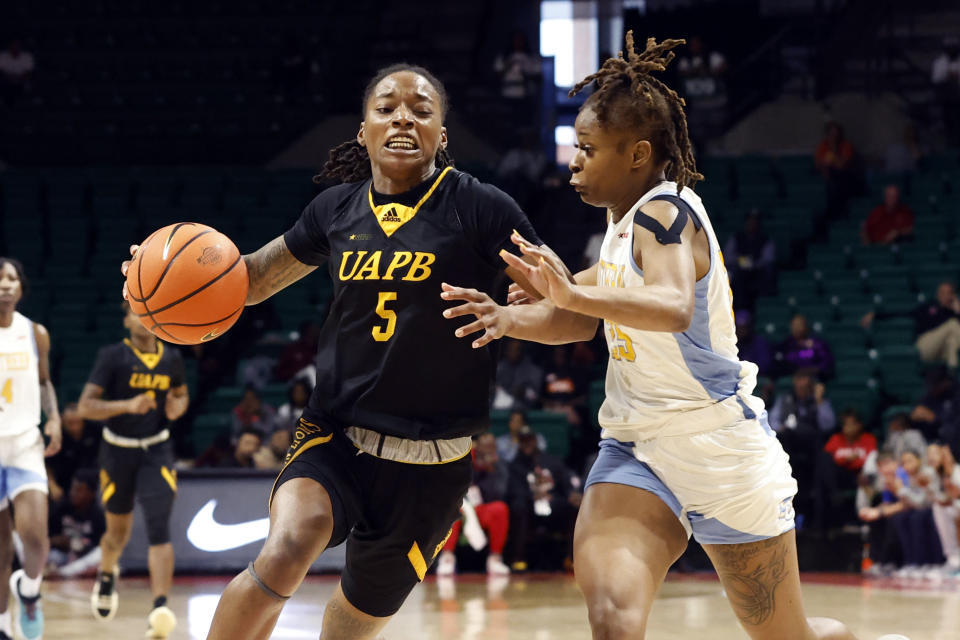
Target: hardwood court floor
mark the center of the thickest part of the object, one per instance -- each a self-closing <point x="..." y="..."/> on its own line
<point x="540" y="607"/>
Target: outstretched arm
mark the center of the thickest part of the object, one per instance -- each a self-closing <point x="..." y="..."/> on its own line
<point x="540" y="322"/>
<point x="664" y="303"/>
<point x="271" y="268"/>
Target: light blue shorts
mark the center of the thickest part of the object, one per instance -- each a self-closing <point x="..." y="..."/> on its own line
<point x="727" y="486"/>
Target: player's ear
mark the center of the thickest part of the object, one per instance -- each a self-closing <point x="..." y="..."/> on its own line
<point x="360" y="135"/>
<point x="443" y="137"/>
<point x="642" y="153"/>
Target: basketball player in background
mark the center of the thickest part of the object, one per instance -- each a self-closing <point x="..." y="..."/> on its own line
<point x="136" y="388"/>
<point x="686" y="448"/>
<point x="25" y="392"/>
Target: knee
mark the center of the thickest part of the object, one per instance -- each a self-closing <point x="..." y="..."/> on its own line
<point x="33" y="539"/>
<point x="612" y="617"/>
<point x="116" y="536"/>
<point x="301" y="540"/>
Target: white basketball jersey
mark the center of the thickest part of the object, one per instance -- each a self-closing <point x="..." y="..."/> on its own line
<point x="661" y="383"/>
<point x="19" y="378"/>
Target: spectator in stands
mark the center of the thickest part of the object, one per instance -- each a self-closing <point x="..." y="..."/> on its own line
<point x="915" y="525"/>
<point x="702" y="83"/>
<point x="80" y="450"/>
<point x="901" y="436"/>
<point x="945" y="74"/>
<point x="753" y="347"/>
<point x="522" y="169"/>
<point x="847" y="451"/>
<point x="903" y="156"/>
<point x="946" y="502"/>
<point x="565" y="386"/>
<point x="940" y="406"/>
<point x="487" y="498"/>
<point x="248" y="443"/>
<point x="271" y="455"/>
<point x="76" y="526"/>
<point x="835" y="159"/>
<point x="702" y="70"/>
<point x="802" y="418"/>
<point x="889" y="222"/>
<point x="750" y="257"/>
<point x="850" y="447"/>
<point x="16" y="71"/>
<point x="804" y="351"/>
<point x="519" y="380"/>
<point x="297" y="397"/>
<point x="877" y="500"/>
<point x="519" y="71"/>
<point x="937" y="326"/>
<point x="253" y="413"/>
<point x="508" y="443"/>
<point x="299" y="354"/>
<point x="547" y="508"/>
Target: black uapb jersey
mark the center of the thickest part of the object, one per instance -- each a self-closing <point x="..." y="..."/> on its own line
<point x="388" y="360"/>
<point x="124" y="372"/>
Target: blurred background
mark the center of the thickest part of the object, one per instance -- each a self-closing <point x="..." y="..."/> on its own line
<point x="828" y="132"/>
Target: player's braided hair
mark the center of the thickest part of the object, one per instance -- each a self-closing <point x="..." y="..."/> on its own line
<point x="349" y="162"/>
<point x="628" y="95"/>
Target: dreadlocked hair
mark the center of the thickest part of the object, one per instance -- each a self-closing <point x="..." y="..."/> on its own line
<point x="628" y="95"/>
<point x="350" y="162"/>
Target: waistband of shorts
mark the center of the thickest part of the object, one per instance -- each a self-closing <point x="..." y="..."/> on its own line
<point x="718" y="415"/>
<point x="135" y="443"/>
<point x="408" y="451"/>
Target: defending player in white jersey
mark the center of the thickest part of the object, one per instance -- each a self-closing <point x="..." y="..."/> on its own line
<point x="25" y="391"/>
<point x="686" y="448"/>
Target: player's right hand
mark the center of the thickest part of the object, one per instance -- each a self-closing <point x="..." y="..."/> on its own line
<point x="125" y="265"/>
<point x="492" y="319"/>
<point x="141" y="403"/>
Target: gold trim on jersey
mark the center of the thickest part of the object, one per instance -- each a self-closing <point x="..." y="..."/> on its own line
<point x="393" y="215"/>
<point x="170" y="476"/>
<point x="417" y="562"/>
<point x="151" y="360"/>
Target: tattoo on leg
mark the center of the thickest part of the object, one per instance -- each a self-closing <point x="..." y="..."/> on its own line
<point x="752" y="590"/>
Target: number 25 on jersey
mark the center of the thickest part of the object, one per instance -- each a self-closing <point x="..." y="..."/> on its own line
<point x="621" y="346"/>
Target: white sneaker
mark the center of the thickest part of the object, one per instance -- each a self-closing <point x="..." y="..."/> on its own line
<point x="446" y="564"/>
<point x="104" y="600"/>
<point x="161" y="622"/>
<point x="496" y="567"/>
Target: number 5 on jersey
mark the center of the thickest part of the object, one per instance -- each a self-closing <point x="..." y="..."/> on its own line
<point x="384" y="333"/>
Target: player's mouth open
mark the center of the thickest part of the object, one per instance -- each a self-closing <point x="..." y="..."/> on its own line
<point x="402" y="143"/>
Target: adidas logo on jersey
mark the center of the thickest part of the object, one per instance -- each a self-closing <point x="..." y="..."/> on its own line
<point x="391" y="216"/>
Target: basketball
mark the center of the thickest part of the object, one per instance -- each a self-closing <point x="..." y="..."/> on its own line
<point x="187" y="283"/>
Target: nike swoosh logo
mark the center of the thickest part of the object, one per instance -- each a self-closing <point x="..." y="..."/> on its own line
<point x="210" y="336"/>
<point x="206" y="534"/>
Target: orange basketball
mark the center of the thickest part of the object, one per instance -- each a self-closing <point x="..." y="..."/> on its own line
<point x="187" y="283"/>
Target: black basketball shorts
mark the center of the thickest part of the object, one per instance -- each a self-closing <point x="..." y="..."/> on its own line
<point x="147" y="474"/>
<point x="394" y="516"/>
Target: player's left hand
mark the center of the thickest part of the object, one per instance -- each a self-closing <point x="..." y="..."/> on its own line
<point x="52" y="430"/>
<point x="492" y="319"/>
<point x="544" y="275"/>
